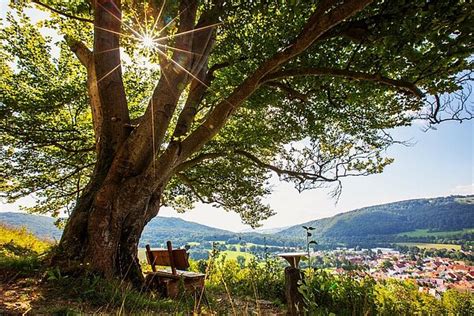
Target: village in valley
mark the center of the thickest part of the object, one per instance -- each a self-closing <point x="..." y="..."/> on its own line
<point x="433" y="275"/>
<point x="434" y="271"/>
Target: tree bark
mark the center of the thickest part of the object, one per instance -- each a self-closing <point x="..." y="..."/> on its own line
<point x="104" y="229"/>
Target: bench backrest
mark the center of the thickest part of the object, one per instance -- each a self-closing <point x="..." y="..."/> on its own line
<point x="174" y="258"/>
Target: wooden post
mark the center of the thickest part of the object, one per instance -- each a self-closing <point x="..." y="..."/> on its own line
<point x="151" y="259"/>
<point x="294" y="299"/>
<point x="170" y="252"/>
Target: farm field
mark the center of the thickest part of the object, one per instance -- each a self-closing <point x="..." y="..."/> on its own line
<point x="428" y="233"/>
<point x="229" y="254"/>
<point x="430" y="246"/>
<point x="232" y="255"/>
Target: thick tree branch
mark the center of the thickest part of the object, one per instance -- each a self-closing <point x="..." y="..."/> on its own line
<point x="320" y="22"/>
<point x="86" y="57"/>
<point x="78" y="18"/>
<point x="257" y="161"/>
<point x="198" y="159"/>
<point x="196" y="93"/>
<point x="140" y="149"/>
<point x="203" y="42"/>
<point x="292" y="93"/>
<point x="108" y="73"/>
<point x="82" y="52"/>
<point x="348" y="74"/>
<point x="183" y="55"/>
<point x="280" y="171"/>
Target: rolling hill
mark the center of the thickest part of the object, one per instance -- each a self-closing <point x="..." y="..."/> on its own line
<point x="155" y="233"/>
<point x="421" y="220"/>
<point x="159" y="229"/>
<point x="448" y="216"/>
<point x="41" y="226"/>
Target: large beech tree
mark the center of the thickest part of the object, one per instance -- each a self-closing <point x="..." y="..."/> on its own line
<point x="129" y="105"/>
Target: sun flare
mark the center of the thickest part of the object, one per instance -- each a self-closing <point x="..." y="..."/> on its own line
<point x="148" y="42"/>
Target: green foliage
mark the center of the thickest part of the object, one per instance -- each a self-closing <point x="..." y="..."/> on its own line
<point x="325" y="293"/>
<point x="458" y="303"/>
<point x="349" y="294"/>
<point x="43" y="95"/>
<point x="255" y="280"/>
<point x="395" y="297"/>
<point x="387" y="264"/>
<point x="339" y="130"/>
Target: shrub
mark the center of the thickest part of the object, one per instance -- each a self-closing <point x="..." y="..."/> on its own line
<point x="257" y="279"/>
<point x="352" y="294"/>
<point x="325" y="293"/>
<point x="458" y="303"/>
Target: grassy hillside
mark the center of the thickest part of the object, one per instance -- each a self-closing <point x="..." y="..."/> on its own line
<point x="434" y="217"/>
<point x="161" y="229"/>
<point x="21" y="238"/>
<point x="422" y="220"/>
<point x="41" y="226"/>
<point x="428" y="233"/>
<point x="156" y="233"/>
<point x="430" y="246"/>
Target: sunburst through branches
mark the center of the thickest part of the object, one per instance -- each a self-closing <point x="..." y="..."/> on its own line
<point x="152" y="39"/>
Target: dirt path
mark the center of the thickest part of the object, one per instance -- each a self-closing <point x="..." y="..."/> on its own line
<point x="31" y="296"/>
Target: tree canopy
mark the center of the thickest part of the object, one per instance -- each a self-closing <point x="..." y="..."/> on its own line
<point x="268" y="95"/>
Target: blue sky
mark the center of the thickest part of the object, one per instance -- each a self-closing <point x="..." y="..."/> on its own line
<point x="439" y="163"/>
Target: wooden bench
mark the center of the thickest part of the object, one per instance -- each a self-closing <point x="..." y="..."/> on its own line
<point x="172" y="281"/>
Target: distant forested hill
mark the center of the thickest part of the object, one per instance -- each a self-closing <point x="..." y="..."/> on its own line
<point x="41" y="226"/>
<point x="156" y="233"/>
<point x="453" y="213"/>
<point x="446" y="220"/>
<point x="158" y="230"/>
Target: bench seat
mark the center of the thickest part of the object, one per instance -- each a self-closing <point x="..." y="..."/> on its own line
<point x="170" y="282"/>
<point x="179" y="274"/>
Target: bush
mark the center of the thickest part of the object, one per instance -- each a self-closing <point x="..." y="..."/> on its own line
<point x="256" y="279"/>
<point x="325" y="293"/>
<point x="351" y="294"/>
<point x="458" y="303"/>
<point x="403" y="298"/>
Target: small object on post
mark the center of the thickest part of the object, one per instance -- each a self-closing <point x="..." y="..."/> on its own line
<point x="293" y="258"/>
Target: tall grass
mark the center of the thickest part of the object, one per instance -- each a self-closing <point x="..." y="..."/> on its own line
<point x="20" y="250"/>
<point x="348" y="294"/>
<point x="254" y="280"/>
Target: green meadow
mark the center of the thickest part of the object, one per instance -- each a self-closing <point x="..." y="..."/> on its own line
<point x="431" y="246"/>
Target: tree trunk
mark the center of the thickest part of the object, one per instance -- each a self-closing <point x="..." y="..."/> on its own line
<point x="104" y="229"/>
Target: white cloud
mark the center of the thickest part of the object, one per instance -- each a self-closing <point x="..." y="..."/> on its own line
<point x="463" y="189"/>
